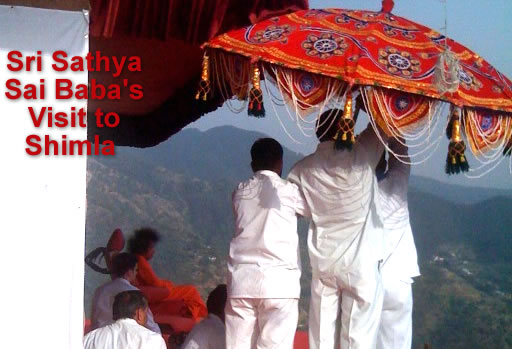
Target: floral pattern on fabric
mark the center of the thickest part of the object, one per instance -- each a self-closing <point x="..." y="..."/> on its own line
<point x="469" y="81"/>
<point x="365" y="48"/>
<point x="324" y="46"/>
<point x="273" y="32"/>
<point x="398" y="62"/>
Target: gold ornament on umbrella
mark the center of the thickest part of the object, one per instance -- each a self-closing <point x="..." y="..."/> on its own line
<point x="345" y="138"/>
<point x="456" y="160"/>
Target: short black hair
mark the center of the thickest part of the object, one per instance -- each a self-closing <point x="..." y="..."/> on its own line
<point x="327" y="124"/>
<point x="122" y="263"/>
<point x="216" y="301"/>
<point x="265" y="154"/>
<point x="126" y="304"/>
<point x="142" y="239"/>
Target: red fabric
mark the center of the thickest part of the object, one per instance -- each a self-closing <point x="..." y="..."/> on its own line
<point x="486" y="130"/>
<point x="186" y="293"/>
<point x="154" y="294"/>
<point x="387" y="5"/>
<point x="87" y="326"/>
<point x="194" y="21"/>
<point x="301" y="340"/>
<point x="190" y="20"/>
<point x="368" y="48"/>
<point x="178" y="324"/>
<point x="116" y="241"/>
<point x="402" y="110"/>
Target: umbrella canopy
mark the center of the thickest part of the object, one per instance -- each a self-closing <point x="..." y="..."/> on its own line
<point x="404" y="72"/>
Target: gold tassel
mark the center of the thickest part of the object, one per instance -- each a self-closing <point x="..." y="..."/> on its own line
<point x="204" y="89"/>
<point x="456" y="160"/>
<point x="255" y="95"/>
<point x="345" y="138"/>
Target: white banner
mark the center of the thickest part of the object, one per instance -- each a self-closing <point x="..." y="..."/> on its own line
<point x="43" y="196"/>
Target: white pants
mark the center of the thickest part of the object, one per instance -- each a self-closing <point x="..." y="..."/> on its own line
<point x="262" y="323"/>
<point x="395" y="330"/>
<point x="354" y="301"/>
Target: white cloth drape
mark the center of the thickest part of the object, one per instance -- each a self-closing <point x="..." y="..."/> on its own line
<point x="43" y="197"/>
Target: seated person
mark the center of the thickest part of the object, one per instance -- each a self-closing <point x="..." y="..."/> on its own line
<point x="211" y="332"/>
<point x="127" y="332"/>
<point x="124" y="270"/>
<point x="142" y="244"/>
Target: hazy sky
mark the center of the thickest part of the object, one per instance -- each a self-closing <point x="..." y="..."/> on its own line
<point x="483" y="26"/>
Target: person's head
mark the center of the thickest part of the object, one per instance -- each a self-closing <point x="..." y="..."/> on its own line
<point x="267" y="154"/>
<point x="380" y="170"/>
<point x="327" y="124"/>
<point x="130" y="305"/>
<point x="125" y="265"/>
<point x="143" y="242"/>
<point x="216" y="301"/>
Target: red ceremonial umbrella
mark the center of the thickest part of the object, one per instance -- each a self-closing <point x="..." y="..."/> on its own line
<point x="402" y="71"/>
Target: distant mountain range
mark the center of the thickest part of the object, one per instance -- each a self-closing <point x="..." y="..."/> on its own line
<point x="183" y="188"/>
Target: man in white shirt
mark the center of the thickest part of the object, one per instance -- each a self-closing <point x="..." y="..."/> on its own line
<point x="128" y="331"/>
<point x="400" y="258"/>
<point x="124" y="270"/>
<point x="210" y="333"/>
<point x="344" y="238"/>
<point x="264" y="264"/>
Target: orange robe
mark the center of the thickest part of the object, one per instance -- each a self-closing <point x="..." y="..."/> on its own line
<point x="186" y="293"/>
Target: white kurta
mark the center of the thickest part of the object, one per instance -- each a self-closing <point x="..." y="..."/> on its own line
<point x="344" y="241"/>
<point x="123" y="334"/>
<point x="400" y="258"/>
<point x="103" y="300"/>
<point x="264" y="264"/>
<point x="264" y="259"/>
<point x="210" y="333"/>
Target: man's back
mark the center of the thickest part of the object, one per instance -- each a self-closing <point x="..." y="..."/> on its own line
<point x="123" y="334"/>
<point x="264" y="249"/>
<point x="400" y="255"/>
<point x="400" y="258"/>
<point x="340" y="189"/>
<point x="264" y="265"/>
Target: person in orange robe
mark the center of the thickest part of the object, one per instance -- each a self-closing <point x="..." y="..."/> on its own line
<point x="142" y="244"/>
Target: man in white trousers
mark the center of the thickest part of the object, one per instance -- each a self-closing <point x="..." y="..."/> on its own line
<point x="400" y="258"/>
<point x="344" y="238"/>
<point x="264" y="264"/>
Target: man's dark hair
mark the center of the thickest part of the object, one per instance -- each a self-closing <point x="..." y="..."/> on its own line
<point x="217" y="300"/>
<point x="266" y="153"/>
<point x="142" y="240"/>
<point x="328" y="124"/>
<point x="126" y="304"/>
<point x="122" y="263"/>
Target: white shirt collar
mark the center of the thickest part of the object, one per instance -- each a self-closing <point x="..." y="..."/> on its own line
<point x="127" y="320"/>
<point x="267" y="173"/>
